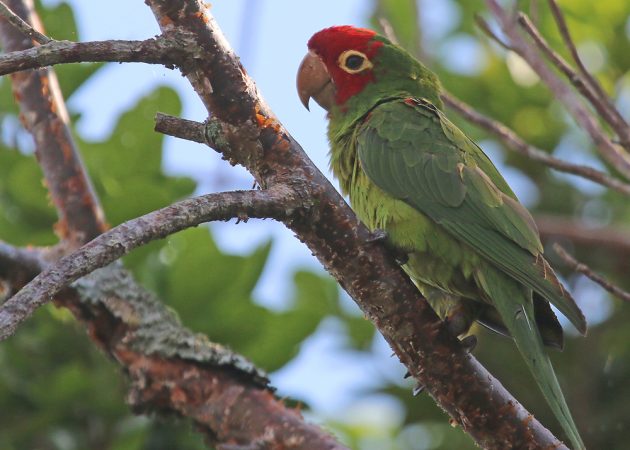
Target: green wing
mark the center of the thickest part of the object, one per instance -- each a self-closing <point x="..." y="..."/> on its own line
<point x="411" y="151"/>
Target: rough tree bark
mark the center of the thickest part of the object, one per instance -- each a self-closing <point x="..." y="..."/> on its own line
<point x="246" y="132"/>
<point x="171" y="370"/>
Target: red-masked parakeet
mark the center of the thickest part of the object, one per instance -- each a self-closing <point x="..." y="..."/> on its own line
<point x="471" y="248"/>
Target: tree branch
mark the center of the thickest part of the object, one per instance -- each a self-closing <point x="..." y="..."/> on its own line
<point x="174" y="370"/>
<point x="515" y="142"/>
<point x="242" y="416"/>
<point x="181" y="128"/>
<point x="583" y="81"/>
<point x="614" y="240"/>
<point x="611" y="115"/>
<point x="588" y="272"/>
<point x="485" y="27"/>
<point x="169" y="52"/>
<point x="111" y="245"/>
<point x="24" y="27"/>
<point x="44" y="114"/>
<point x="250" y="135"/>
<point x="204" y="380"/>
<point x="614" y="154"/>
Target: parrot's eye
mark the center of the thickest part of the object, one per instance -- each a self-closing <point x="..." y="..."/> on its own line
<point x="353" y="61"/>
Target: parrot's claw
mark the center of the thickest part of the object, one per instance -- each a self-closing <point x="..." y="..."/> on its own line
<point x="419" y="386"/>
<point x="469" y="343"/>
<point x="379" y="235"/>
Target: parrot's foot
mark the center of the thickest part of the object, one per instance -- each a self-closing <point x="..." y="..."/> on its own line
<point x="379" y="235"/>
<point x="419" y="386"/>
<point x="459" y="319"/>
<point x="469" y="343"/>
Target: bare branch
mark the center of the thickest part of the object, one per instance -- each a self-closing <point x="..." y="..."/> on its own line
<point x="612" y="115"/>
<point x="182" y="128"/>
<point x="614" y="154"/>
<point x="614" y="240"/>
<point x="44" y="114"/>
<point x="120" y="240"/>
<point x="24" y="27"/>
<point x="515" y="142"/>
<point x="388" y="30"/>
<point x="588" y="272"/>
<point x="582" y="81"/>
<point x="220" y="402"/>
<point x="174" y="370"/>
<point x="159" y="50"/>
<point x="485" y="27"/>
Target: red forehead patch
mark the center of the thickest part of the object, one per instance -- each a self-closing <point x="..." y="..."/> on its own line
<point x="331" y="42"/>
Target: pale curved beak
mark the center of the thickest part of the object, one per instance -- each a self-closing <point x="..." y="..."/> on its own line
<point x="313" y="81"/>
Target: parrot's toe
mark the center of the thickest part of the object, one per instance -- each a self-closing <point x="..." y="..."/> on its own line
<point x="379" y="235"/>
<point x="418" y="389"/>
<point x="469" y="343"/>
<point x="419" y="386"/>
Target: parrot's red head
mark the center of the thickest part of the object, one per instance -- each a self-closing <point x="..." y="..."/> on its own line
<point x="338" y="65"/>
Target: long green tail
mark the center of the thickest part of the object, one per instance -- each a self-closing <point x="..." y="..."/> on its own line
<point x="518" y="316"/>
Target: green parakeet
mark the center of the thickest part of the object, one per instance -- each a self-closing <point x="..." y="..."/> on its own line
<point x="471" y="248"/>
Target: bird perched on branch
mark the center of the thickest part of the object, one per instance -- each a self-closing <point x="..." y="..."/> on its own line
<point x="471" y="248"/>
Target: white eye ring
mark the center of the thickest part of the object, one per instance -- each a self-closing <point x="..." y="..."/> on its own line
<point x="353" y="61"/>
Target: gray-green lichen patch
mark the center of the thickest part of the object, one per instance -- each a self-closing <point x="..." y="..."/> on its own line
<point x="155" y="329"/>
<point x="215" y="136"/>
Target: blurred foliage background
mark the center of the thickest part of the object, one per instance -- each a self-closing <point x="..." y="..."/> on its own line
<point x="57" y="391"/>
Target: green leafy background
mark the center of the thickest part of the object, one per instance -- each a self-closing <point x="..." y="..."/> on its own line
<point x="58" y="392"/>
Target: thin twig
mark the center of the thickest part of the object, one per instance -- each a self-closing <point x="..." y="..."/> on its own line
<point x="21" y="25"/>
<point x="488" y="31"/>
<point x="111" y="245"/>
<point x="388" y="30"/>
<point x="588" y="272"/>
<point x="614" y="154"/>
<point x="581" y="81"/>
<point x="612" y="116"/>
<point x="515" y="142"/>
<point x="613" y="240"/>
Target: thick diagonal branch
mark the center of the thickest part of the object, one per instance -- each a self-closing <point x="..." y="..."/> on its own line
<point x="250" y="135"/>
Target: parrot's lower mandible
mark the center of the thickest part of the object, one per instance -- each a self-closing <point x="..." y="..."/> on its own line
<point x="471" y="248"/>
